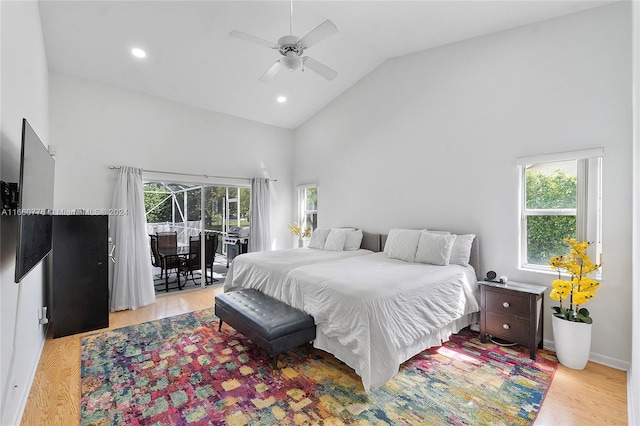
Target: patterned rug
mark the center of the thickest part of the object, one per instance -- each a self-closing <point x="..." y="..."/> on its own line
<point x="181" y="371"/>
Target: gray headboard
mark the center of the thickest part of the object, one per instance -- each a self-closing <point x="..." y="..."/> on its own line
<point x="371" y="242"/>
<point x="474" y="258"/>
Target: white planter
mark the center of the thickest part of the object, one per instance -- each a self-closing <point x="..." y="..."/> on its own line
<point x="572" y="341"/>
<point x="300" y="243"/>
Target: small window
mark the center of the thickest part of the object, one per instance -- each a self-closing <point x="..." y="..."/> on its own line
<point x="560" y="198"/>
<point x="308" y="206"/>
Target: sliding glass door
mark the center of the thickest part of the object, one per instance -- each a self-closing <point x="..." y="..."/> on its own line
<point x="190" y="209"/>
<point x="226" y="206"/>
<point x="173" y="207"/>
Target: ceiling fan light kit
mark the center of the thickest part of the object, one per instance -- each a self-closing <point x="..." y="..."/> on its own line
<point x="292" y="48"/>
<point x="291" y="61"/>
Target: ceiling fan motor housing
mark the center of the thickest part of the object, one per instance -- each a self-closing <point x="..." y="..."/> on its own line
<point x="291" y="50"/>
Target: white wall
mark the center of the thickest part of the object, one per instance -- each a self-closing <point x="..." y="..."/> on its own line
<point x="94" y="126"/>
<point x="24" y="85"/>
<point x="431" y="140"/>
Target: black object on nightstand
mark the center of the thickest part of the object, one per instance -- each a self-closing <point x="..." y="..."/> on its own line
<point x="514" y="312"/>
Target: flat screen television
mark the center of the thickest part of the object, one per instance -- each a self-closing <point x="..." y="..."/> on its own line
<point x="35" y="202"/>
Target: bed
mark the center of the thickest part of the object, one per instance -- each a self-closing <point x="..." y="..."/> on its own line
<point x="374" y="311"/>
<point x="265" y="271"/>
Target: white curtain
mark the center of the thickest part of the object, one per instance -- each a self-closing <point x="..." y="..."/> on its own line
<point x="132" y="275"/>
<point x="260" y="231"/>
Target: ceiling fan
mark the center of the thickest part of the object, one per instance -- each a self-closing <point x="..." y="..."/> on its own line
<point x="292" y="48"/>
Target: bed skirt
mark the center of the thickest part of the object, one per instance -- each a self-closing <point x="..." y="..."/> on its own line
<point x="341" y="352"/>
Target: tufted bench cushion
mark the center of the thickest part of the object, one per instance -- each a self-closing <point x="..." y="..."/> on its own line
<point x="269" y="323"/>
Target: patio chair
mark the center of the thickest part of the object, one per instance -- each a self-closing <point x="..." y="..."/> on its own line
<point x="165" y="240"/>
<point x="192" y="261"/>
<point x="156" y="261"/>
<point x="210" y="247"/>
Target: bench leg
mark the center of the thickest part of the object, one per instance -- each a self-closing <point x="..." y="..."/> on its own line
<point x="220" y="326"/>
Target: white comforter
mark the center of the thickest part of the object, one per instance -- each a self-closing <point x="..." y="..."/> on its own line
<point x="265" y="271"/>
<point x="374" y="313"/>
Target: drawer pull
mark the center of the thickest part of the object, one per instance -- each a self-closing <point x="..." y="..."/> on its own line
<point x="506" y="304"/>
<point x="506" y="326"/>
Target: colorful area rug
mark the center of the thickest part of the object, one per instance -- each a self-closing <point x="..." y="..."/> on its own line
<point x="181" y="371"/>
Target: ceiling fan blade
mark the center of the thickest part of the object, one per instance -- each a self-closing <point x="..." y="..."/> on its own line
<point x="271" y="72"/>
<point x="252" y="39"/>
<point x="319" y="33"/>
<point x="319" y="68"/>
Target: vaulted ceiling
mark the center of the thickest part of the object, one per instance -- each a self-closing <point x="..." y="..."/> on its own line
<point x="191" y="58"/>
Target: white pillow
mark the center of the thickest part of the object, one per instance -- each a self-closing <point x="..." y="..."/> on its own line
<point x="402" y="244"/>
<point x="318" y="238"/>
<point x="434" y="248"/>
<point x="353" y="241"/>
<point x="335" y="240"/>
<point x="461" y="250"/>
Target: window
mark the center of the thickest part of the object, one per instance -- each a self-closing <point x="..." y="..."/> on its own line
<point x="308" y="206"/>
<point x="560" y="198"/>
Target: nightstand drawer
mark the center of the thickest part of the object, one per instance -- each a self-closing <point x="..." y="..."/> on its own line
<point x="512" y="311"/>
<point x="507" y="327"/>
<point x="507" y="304"/>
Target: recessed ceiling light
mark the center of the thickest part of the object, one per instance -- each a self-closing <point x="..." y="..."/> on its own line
<point x="282" y="99"/>
<point x="138" y="53"/>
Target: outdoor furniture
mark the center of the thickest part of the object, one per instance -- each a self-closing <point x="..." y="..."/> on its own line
<point x="167" y="240"/>
<point x="192" y="261"/>
<point x="210" y="247"/>
<point x="156" y="261"/>
<point x="173" y="256"/>
<point x="166" y="250"/>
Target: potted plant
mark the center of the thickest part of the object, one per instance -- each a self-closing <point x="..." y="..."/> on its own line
<point x="571" y="321"/>
<point x="297" y="231"/>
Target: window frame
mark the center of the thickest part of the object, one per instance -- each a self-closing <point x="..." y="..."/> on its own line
<point x="179" y="208"/>
<point x="302" y="205"/>
<point x="588" y="211"/>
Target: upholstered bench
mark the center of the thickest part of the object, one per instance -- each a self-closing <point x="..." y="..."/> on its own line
<point x="269" y="323"/>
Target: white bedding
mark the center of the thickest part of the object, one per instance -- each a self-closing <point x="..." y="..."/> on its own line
<point x="266" y="270"/>
<point x="374" y="313"/>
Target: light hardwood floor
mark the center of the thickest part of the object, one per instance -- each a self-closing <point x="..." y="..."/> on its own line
<point x="594" y="396"/>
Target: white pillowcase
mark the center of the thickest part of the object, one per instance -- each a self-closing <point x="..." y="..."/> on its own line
<point x="402" y="244"/>
<point x="434" y="248"/>
<point x="318" y="238"/>
<point x="335" y="240"/>
<point x="354" y="240"/>
<point x="461" y="250"/>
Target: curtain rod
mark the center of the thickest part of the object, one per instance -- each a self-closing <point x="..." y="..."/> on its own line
<point x="191" y="174"/>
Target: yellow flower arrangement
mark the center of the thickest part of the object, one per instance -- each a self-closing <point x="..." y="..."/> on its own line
<point x="297" y="230"/>
<point x="580" y="288"/>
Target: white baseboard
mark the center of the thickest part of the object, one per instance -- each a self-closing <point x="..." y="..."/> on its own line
<point x="25" y="395"/>
<point x="618" y="364"/>
<point x="632" y="402"/>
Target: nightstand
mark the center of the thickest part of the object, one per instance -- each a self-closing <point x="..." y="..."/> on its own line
<point x="512" y="311"/>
